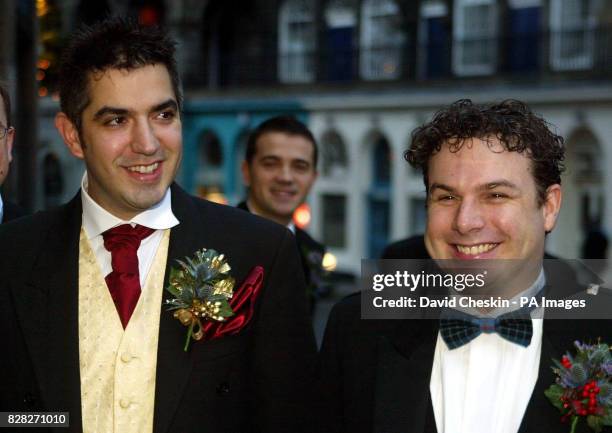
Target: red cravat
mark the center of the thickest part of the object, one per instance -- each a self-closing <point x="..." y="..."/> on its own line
<point x="124" y="281"/>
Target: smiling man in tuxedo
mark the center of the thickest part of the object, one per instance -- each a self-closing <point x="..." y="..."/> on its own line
<point x="493" y="179"/>
<point x="82" y="296"/>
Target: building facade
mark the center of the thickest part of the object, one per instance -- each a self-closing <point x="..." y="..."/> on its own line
<point x="363" y="74"/>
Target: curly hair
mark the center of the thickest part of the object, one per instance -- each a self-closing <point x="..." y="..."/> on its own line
<point x="114" y="43"/>
<point x="510" y="121"/>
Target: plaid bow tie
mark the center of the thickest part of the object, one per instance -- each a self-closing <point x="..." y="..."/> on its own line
<point x="459" y="328"/>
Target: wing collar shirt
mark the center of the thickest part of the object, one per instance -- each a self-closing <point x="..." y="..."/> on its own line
<point x="96" y="220"/>
<point x="485" y="385"/>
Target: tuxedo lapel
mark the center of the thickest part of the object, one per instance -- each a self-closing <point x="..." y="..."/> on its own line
<point x="173" y="364"/>
<point x="402" y="397"/>
<point x="540" y="414"/>
<point x="52" y="333"/>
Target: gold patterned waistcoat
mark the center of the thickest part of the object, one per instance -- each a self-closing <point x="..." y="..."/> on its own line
<point x="118" y="366"/>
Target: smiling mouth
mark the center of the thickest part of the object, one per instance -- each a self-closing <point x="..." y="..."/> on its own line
<point x="284" y="193"/>
<point x="474" y="250"/>
<point x="144" y="169"/>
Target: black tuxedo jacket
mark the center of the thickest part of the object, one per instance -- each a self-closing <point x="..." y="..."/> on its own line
<point x="11" y="211"/>
<point x="375" y="374"/>
<point x="306" y="245"/>
<point x="256" y="381"/>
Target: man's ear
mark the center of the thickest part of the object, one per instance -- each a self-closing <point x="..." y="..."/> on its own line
<point x="10" y="139"/>
<point x="246" y="173"/>
<point x="552" y="206"/>
<point x="70" y="134"/>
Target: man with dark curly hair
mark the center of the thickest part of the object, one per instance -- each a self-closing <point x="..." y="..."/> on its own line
<point x="492" y="174"/>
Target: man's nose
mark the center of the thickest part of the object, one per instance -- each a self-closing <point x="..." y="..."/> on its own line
<point x="144" y="140"/>
<point x="284" y="174"/>
<point x="469" y="216"/>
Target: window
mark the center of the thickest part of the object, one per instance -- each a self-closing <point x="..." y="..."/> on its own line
<point x="381" y="40"/>
<point x="572" y="31"/>
<point x="434" y="40"/>
<point x="334" y="159"/>
<point x="381" y="158"/>
<point x="209" y="175"/>
<point x="338" y="40"/>
<point x="418" y="215"/>
<point x="475" y="37"/>
<point x="296" y="42"/>
<point x="334" y="220"/>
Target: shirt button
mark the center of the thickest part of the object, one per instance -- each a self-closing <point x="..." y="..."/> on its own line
<point x="126" y="357"/>
<point x="124" y="403"/>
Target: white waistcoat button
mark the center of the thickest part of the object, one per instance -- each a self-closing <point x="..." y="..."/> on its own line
<point x="124" y="403"/>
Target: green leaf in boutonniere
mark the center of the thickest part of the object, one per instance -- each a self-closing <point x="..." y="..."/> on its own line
<point x="202" y="288"/>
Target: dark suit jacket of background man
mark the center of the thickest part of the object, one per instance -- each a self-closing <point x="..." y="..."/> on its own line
<point x="376" y="374"/>
<point x="11" y="211"/>
<point x="307" y="246"/>
<point x="255" y="381"/>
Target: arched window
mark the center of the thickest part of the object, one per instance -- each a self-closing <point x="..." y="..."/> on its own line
<point x="209" y="177"/>
<point x="588" y="176"/>
<point x="379" y="195"/>
<point x="334" y="158"/>
<point x="296" y="41"/>
<point x="239" y="153"/>
<point x="382" y="39"/>
<point x="381" y="157"/>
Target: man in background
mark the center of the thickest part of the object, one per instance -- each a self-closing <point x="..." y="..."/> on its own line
<point x="8" y="210"/>
<point x="279" y="168"/>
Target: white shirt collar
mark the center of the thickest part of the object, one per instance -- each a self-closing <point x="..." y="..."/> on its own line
<point x="96" y="219"/>
<point x="1" y="208"/>
<point x="291" y="226"/>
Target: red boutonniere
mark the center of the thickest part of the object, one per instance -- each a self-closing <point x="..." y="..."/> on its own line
<point x="203" y="291"/>
<point x="583" y="389"/>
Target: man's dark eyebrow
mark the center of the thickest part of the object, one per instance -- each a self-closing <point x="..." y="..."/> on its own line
<point x="109" y="110"/>
<point x="170" y="103"/>
<point x="269" y="157"/>
<point x="442" y="186"/>
<point x="499" y="183"/>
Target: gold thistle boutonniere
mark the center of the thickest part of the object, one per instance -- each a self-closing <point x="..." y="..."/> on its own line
<point x="202" y="288"/>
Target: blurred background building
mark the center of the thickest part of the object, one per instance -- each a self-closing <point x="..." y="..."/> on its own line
<point x="362" y="74"/>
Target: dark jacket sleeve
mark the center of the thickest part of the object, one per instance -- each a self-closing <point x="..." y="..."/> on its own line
<point x="329" y="378"/>
<point x="284" y="348"/>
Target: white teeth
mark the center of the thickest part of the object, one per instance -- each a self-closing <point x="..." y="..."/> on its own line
<point x="475" y="249"/>
<point x="144" y="169"/>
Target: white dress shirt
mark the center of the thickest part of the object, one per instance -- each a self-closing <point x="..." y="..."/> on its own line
<point x="485" y="385"/>
<point x="96" y="220"/>
<point x="1" y="208"/>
